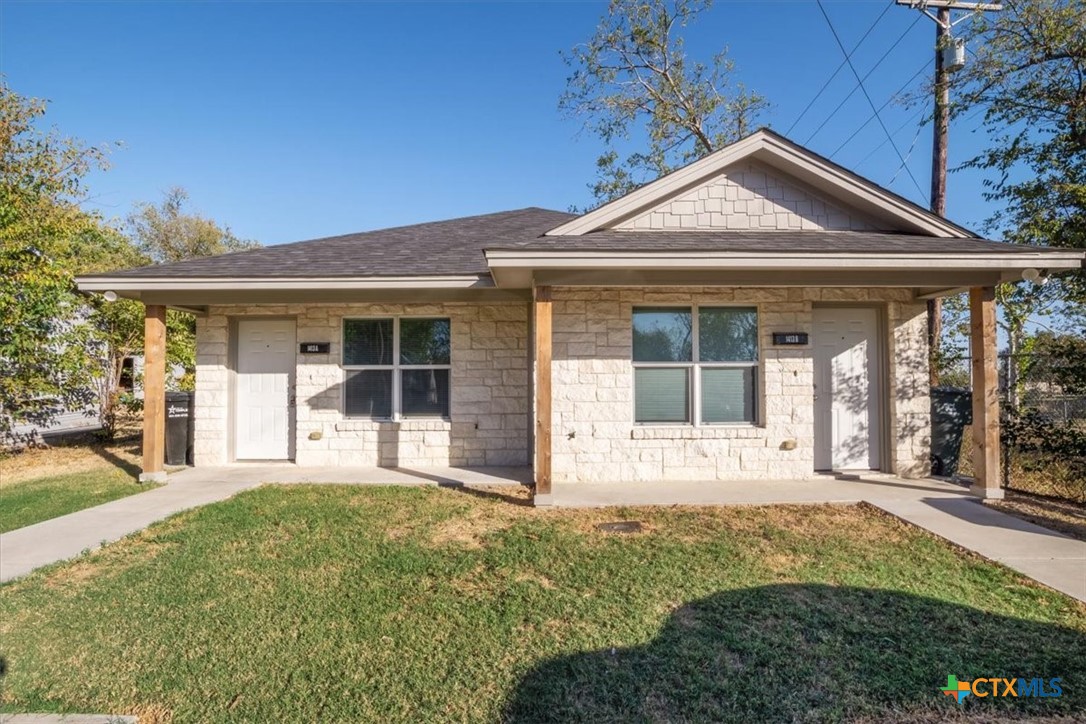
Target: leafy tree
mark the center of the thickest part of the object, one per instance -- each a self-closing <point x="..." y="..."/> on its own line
<point x="1028" y="79"/>
<point x="43" y="368"/>
<point x="634" y="70"/>
<point x="1060" y="360"/>
<point x="165" y="233"/>
<point x="1028" y="82"/>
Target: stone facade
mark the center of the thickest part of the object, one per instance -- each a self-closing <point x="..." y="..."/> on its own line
<point x="595" y="438"/>
<point x="489" y="403"/>
<point x="749" y="196"/>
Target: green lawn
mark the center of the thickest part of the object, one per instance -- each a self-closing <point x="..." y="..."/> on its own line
<point x="328" y="603"/>
<point x="31" y="501"/>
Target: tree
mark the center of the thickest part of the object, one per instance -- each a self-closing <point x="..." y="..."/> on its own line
<point x="633" y="71"/>
<point x="165" y="233"/>
<point x="1028" y="82"/>
<point x="1028" y="79"/>
<point x="43" y="343"/>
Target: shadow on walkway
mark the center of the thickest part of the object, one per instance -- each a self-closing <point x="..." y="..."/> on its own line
<point x="449" y="483"/>
<point x="808" y="652"/>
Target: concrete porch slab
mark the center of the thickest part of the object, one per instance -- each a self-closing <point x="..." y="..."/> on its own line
<point x="291" y="473"/>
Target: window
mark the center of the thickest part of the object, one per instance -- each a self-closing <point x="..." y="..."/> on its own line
<point x="396" y="367"/>
<point x="695" y="364"/>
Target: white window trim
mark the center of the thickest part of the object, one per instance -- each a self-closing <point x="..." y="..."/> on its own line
<point x="395" y="368"/>
<point x="695" y="366"/>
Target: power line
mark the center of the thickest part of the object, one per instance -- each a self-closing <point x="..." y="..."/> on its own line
<point x="861" y="80"/>
<point x="868" y="96"/>
<point x="912" y="146"/>
<point x="888" y="101"/>
<point x="916" y="116"/>
<point x="838" y="69"/>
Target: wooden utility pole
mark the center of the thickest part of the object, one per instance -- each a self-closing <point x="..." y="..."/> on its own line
<point x="940" y="132"/>
<point x="940" y="136"/>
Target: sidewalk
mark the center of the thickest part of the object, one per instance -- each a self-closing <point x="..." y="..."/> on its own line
<point x="58" y="539"/>
<point x="25" y="549"/>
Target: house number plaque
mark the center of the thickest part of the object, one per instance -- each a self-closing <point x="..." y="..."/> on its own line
<point x="316" y="347"/>
<point x="786" y="338"/>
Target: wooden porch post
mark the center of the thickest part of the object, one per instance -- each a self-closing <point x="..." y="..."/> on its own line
<point x="982" y="343"/>
<point x="541" y="310"/>
<point x="154" y="393"/>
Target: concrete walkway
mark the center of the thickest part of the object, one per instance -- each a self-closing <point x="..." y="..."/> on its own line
<point x="23" y="550"/>
<point x="945" y="509"/>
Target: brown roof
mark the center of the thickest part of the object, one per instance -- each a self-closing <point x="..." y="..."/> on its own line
<point x="439" y="248"/>
<point x="456" y="247"/>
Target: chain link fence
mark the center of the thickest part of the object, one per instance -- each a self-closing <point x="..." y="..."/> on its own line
<point x="1043" y="426"/>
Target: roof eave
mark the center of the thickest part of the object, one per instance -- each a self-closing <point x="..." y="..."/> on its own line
<point x="122" y="283"/>
<point x="514" y="269"/>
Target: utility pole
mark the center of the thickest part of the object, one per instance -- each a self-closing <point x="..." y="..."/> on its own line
<point x="949" y="57"/>
<point x="940" y="129"/>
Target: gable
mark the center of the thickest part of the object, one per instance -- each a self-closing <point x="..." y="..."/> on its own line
<point x="745" y="196"/>
<point x="824" y="183"/>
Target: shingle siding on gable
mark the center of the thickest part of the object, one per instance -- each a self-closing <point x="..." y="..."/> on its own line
<point x="749" y="196"/>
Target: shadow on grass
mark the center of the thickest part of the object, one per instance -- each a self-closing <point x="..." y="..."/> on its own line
<point x="808" y="652"/>
<point x="132" y="469"/>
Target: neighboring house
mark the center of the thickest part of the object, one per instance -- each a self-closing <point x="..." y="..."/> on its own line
<point x="758" y="314"/>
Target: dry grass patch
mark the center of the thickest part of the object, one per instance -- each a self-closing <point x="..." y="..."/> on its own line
<point x="1062" y="516"/>
<point x="75" y="456"/>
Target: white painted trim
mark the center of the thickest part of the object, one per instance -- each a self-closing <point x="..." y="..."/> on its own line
<point x="762" y="145"/>
<point x="1053" y="260"/>
<point x="155" y="284"/>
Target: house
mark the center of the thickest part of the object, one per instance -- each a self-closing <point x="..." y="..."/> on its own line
<point x="758" y="314"/>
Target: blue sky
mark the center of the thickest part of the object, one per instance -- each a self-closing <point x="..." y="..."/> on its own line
<point x="290" y="121"/>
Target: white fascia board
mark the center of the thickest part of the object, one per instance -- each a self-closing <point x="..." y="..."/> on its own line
<point x="1053" y="260"/>
<point x="778" y="152"/>
<point x="172" y="284"/>
<point x="865" y="190"/>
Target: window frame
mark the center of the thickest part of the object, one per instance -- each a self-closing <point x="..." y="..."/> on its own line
<point x="695" y="366"/>
<point x="396" y="368"/>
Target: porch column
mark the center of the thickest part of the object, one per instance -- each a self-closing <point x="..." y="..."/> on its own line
<point x="154" y="393"/>
<point x="982" y="344"/>
<point x="541" y="312"/>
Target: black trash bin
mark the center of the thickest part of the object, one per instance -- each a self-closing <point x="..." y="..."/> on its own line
<point x="179" y="424"/>
<point x="951" y="411"/>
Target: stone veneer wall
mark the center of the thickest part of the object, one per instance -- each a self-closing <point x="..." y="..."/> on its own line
<point x="489" y="404"/>
<point x="595" y="438"/>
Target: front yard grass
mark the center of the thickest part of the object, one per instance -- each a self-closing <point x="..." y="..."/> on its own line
<point x="37" y="485"/>
<point x="337" y="603"/>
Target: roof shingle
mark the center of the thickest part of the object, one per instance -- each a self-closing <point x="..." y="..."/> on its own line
<point x="439" y="248"/>
<point x="456" y="247"/>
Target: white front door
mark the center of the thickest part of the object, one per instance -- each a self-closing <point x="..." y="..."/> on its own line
<point x="265" y="386"/>
<point x="847" y="405"/>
